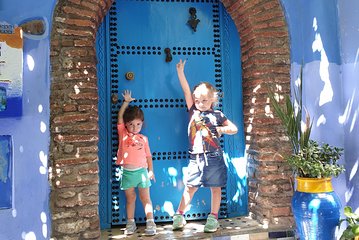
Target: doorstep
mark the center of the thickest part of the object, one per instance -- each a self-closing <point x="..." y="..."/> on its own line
<point x="241" y="228"/>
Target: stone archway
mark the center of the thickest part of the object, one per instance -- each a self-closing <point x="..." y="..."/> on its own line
<point x="74" y="114"/>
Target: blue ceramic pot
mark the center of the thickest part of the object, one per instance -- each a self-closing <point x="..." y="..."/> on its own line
<point x="316" y="209"/>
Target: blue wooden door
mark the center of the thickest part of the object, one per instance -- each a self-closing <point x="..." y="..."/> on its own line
<point x="134" y="39"/>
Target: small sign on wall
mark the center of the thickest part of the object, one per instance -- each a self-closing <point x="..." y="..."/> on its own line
<point x="11" y="64"/>
<point x="5" y="171"/>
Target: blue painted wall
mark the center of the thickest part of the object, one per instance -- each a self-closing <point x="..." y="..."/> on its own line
<point x="323" y="36"/>
<point x="324" y="39"/>
<point x="29" y="218"/>
<point x="349" y="35"/>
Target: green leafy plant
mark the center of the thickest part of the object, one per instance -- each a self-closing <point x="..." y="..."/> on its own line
<point x="314" y="161"/>
<point x="309" y="159"/>
<point x="352" y="219"/>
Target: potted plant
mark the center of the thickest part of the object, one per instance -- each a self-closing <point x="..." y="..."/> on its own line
<point x="352" y="230"/>
<point x="315" y="205"/>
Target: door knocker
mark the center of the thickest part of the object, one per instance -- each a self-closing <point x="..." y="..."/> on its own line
<point x="193" y="21"/>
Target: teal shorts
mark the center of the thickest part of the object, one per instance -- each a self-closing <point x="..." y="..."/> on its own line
<point x="137" y="178"/>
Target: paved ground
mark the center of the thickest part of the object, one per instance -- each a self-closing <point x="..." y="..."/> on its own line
<point x="243" y="228"/>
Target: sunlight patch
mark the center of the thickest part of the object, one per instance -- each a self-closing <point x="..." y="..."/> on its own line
<point x="168" y="208"/>
<point x="44" y="225"/>
<point x="14" y="213"/>
<point x="172" y="172"/>
<point x="28" y="236"/>
<point x="30" y="62"/>
<point x="43" y="160"/>
<point x="326" y="95"/>
<point x="40" y="108"/>
<point x="353" y="120"/>
<point x="349" y="194"/>
<point x="42" y="127"/>
<point x="321" y="120"/>
<point x="77" y="89"/>
<point x="343" y="118"/>
<point x="354" y="171"/>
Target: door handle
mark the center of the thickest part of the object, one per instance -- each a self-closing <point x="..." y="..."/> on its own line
<point x="168" y="55"/>
<point x="114" y="98"/>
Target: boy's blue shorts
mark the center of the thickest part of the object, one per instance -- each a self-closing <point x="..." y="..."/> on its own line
<point x="210" y="172"/>
<point x="137" y="178"/>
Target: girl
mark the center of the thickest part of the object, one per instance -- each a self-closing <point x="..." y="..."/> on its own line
<point x="206" y="166"/>
<point x="134" y="156"/>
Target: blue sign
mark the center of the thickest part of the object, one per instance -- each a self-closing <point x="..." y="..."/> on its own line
<point x="5" y="171"/>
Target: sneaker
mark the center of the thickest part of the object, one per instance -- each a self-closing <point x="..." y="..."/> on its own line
<point x="150" y="228"/>
<point x="178" y="222"/>
<point x="211" y="225"/>
<point x="130" y="228"/>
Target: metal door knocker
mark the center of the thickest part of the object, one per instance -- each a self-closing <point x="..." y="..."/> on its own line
<point x="168" y="55"/>
<point x="129" y="76"/>
<point x="193" y="21"/>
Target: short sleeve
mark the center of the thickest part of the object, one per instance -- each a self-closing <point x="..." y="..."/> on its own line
<point x="221" y="118"/>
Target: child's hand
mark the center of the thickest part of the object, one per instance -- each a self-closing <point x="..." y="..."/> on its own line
<point x="180" y="65"/>
<point x="219" y="131"/>
<point x="127" y="96"/>
<point x="151" y="176"/>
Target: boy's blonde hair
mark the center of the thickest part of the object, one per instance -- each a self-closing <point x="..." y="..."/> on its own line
<point x="211" y="90"/>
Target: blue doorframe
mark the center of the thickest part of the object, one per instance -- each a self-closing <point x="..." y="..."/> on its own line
<point x="217" y="59"/>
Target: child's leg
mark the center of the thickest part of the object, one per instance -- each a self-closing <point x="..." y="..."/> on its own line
<point x="216" y="200"/>
<point x="147" y="206"/>
<point x="178" y="219"/>
<point x="130" y="202"/>
<point x="212" y="220"/>
<point x="186" y="198"/>
<point x="146" y="201"/>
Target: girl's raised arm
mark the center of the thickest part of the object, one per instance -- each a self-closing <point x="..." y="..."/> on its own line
<point x="127" y="99"/>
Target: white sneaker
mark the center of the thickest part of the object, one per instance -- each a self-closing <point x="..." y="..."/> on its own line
<point x="130" y="228"/>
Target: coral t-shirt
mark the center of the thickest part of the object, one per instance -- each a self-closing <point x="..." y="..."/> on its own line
<point x="132" y="148"/>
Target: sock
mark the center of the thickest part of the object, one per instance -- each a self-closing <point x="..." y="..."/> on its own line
<point x="180" y="212"/>
<point x="131" y="220"/>
<point x="150" y="220"/>
<point x="215" y="214"/>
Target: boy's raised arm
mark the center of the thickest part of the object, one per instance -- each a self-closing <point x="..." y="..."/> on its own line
<point x="184" y="83"/>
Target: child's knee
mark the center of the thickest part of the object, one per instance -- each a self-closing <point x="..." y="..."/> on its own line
<point x="131" y="196"/>
<point x="191" y="190"/>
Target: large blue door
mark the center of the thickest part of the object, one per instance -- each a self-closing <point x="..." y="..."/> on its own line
<point x="135" y="38"/>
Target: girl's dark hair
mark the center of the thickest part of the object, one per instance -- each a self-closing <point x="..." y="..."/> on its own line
<point x="131" y="113"/>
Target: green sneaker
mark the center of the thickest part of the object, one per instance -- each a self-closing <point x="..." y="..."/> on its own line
<point x="150" y="228"/>
<point x="211" y="225"/>
<point x="178" y="222"/>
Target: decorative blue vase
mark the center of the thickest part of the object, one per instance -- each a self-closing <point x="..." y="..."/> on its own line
<point x="316" y="209"/>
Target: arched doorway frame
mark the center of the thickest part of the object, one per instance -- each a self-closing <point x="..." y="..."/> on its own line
<point x="74" y="114"/>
